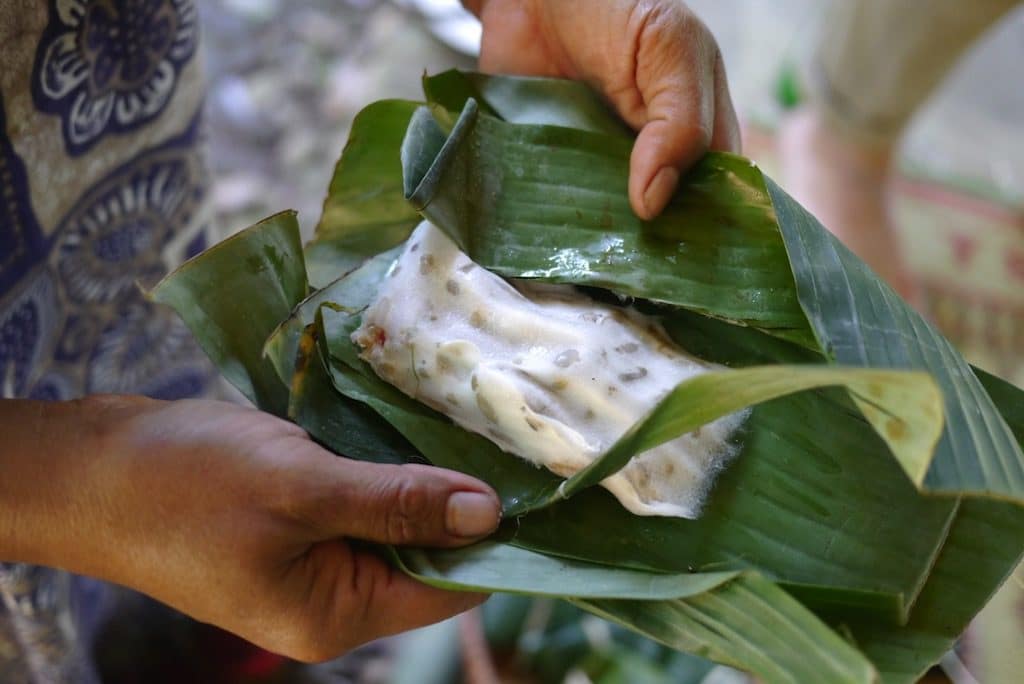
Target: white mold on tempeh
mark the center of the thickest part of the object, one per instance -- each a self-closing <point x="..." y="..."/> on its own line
<point x="543" y="371"/>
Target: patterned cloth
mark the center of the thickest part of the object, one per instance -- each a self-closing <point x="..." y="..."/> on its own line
<point x="101" y="189"/>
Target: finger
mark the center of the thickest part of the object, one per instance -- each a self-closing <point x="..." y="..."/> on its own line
<point x="403" y="505"/>
<point x="344" y="598"/>
<point x="675" y="77"/>
<point x="726" y="136"/>
<point x="509" y="42"/>
<point x="398" y="603"/>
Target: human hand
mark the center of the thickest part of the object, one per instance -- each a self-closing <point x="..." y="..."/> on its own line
<point x="237" y="518"/>
<point x="654" y="61"/>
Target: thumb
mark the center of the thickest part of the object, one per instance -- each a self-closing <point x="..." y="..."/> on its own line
<point x="681" y="80"/>
<point x="414" y="505"/>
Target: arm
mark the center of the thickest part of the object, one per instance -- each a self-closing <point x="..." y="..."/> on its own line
<point x="43" y="454"/>
<point x="230" y="515"/>
<point x="653" y="60"/>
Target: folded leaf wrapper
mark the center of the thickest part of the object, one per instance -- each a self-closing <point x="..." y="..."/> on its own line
<point x="875" y="502"/>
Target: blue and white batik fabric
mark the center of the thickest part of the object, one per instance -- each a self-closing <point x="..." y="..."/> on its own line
<point x="102" y="188"/>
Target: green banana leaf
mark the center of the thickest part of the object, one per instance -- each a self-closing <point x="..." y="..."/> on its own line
<point x="839" y="504"/>
<point x="345" y="426"/>
<point x="266" y="259"/>
<point x="481" y="183"/>
<point x="548" y="640"/>
<point x="723" y="535"/>
<point x="726" y="617"/>
<point x="859" y="320"/>
<point x="526" y="100"/>
<point x="830" y="506"/>
<point x="904" y="408"/>
<point x="363" y="212"/>
<point x="490" y="567"/>
<point x="837" y="290"/>
<point x="983" y="548"/>
<point x="779" y="531"/>
<point x="499" y="189"/>
<point x="750" y="624"/>
<point x="281" y="348"/>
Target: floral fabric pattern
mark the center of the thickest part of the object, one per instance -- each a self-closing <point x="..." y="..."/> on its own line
<point x="79" y="324"/>
<point x="111" y="67"/>
<point x="73" y="320"/>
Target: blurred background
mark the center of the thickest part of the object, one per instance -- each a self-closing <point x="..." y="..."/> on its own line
<point x="287" y="77"/>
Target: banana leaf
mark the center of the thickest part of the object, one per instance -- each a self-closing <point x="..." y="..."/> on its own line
<point x="363" y="212"/>
<point x="861" y="321"/>
<point x="826" y="510"/>
<point x="549" y="640"/>
<point x="500" y="189"/>
<point x="483" y="185"/>
<point x="982" y="550"/>
<point x="266" y="259"/>
<point x="345" y="426"/>
<point x="832" y="524"/>
<point x="526" y="100"/>
<point x="727" y="617"/>
<point x="282" y="346"/>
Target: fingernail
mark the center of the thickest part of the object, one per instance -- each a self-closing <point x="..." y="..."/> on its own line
<point x="471" y="514"/>
<point x="660" y="190"/>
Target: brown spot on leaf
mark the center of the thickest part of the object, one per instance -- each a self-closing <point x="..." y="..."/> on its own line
<point x="896" y="429"/>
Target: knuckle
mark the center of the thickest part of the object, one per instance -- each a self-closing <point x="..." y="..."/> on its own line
<point x="408" y="513"/>
<point x="699" y="133"/>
